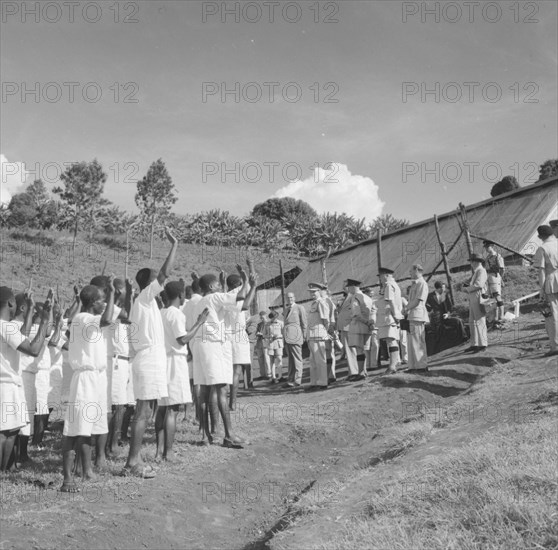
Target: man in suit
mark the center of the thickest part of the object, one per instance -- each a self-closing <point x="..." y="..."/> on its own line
<point x="294" y="331"/>
<point x="477" y="313"/>
<point x="445" y="331"/>
<point x="344" y="318"/>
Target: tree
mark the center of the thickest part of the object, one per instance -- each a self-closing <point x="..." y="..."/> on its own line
<point x="22" y="211"/>
<point x="47" y="211"/>
<point x="83" y="188"/>
<point x="280" y="209"/>
<point x="33" y="208"/>
<point x="548" y="169"/>
<point x="387" y="223"/>
<point x="505" y="185"/>
<point x="155" y="196"/>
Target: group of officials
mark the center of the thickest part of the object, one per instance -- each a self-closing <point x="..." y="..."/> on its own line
<point x="360" y="320"/>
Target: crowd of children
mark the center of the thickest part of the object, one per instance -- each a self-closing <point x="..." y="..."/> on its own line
<point x="115" y="359"/>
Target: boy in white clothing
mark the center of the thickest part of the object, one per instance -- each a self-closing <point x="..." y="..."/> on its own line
<point x="149" y="365"/>
<point x="212" y="366"/>
<point x="178" y="380"/>
<point x="87" y="354"/>
<point x="13" y="410"/>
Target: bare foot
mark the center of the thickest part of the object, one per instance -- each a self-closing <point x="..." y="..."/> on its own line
<point x="169" y="457"/>
<point x="69" y="487"/>
<point x="90" y="476"/>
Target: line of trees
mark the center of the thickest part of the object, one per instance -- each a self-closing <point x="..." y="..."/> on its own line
<point x="278" y="223"/>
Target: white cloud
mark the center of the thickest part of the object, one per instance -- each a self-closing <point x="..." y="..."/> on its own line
<point x="12" y="179"/>
<point x="337" y="190"/>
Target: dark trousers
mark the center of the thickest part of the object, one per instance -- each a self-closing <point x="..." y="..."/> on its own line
<point x="294" y="353"/>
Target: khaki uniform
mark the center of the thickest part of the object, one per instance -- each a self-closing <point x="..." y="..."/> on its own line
<point x="317" y="336"/>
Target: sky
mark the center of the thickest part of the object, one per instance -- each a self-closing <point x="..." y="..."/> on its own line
<point x="353" y="106"/>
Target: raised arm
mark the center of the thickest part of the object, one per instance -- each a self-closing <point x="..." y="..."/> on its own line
<point x="35" y="347"/>
<point x="28" y="321"/>
<point x="245" y="284"/>
<point x="183" y="340"/>
<point x="106" y="318"/>
<point x="57" y="316"/>
<point x="74" y="307"/>
<point x="253" y="281"/>
<point x="168" y="266"/>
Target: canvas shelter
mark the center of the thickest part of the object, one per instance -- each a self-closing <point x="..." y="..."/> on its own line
<point x="510" y="219"/>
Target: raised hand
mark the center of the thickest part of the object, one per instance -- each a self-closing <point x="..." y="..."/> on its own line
<point x="253" y="278"/>
<point x="76" y="292"/>
<point x="171" y="238"/>
<point x="223" y="280"/>
<point x="56" y="310"/>
<point x="242" y="273"/>
<point x="29" y="300"/>
<point x="250" y="264"/>
<point x="47" y="306"/>
<point x="110" y="283"/>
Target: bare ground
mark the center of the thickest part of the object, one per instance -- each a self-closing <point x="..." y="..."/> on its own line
<point x="312" y="465"/>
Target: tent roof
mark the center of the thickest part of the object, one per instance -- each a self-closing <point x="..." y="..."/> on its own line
<point x="510" y="219"/>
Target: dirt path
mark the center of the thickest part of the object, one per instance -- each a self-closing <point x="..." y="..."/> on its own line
<point x="303" y="448"/>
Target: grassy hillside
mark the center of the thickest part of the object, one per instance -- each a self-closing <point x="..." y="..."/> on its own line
<point x="47" y="257"/>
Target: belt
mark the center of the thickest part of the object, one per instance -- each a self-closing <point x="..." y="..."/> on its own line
<point x="122" y="357"/>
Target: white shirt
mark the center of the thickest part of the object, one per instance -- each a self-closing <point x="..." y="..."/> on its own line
<point x="147" y="323"/>
<point x="10" y="339"/>
<point x="174" y="324"/>
<point x="213" y="329"/>
<point x="35" y="364"/>
<point x="235" y="318"/>
<point x="189" y="309"/>
<point x="87" y="348"/>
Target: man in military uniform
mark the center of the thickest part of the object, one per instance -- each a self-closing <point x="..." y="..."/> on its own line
<point x="495" y="270"/>
<point x="477" y="313"/>
<point x="359" y="329"/>
<point x="318" y="324"/>
<point x="388" y="316"/>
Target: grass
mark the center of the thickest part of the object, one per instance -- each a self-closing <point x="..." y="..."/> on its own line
<point x="499" y="491"/>
<point x="47" y="258"/>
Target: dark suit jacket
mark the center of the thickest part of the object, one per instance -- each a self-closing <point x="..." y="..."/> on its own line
<point x="295" y="325"/>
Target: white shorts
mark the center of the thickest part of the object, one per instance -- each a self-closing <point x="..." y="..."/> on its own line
<point x="118" y="373"/>
<point x="42" y="389"/>
<point x="212" y="363"/>
<point x="30" y="393"/>
<point x="85" y="415"/>
<point x="390" y="331"/>
<point x="178" y="381"/>
<point x="55" y="392"/>
<point x="13" y="408"/>
<point x="149" y="368"/>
